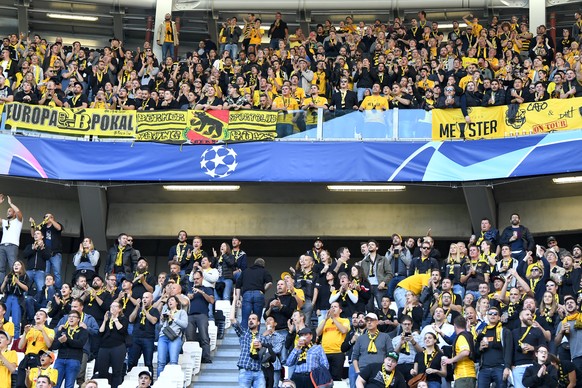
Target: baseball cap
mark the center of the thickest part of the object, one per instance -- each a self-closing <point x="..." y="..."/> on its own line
<point x="393" y="355"/>
<point x="372" y="316"/>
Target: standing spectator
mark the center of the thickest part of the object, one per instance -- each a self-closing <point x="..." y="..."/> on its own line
<point x="121" y="258"/>
<point x="11" y="228"/>
<point x="167" y="37"/>
<point x="69" y="342"/>
<point x="250" y="374"/>
<point x="36" y="340"/>
<point x="36" y="256"/>
<point x="233" y="34"/>
<point x="377" y="269"/>
<point x="201" y="300"/>
<point x="225" y="264"/>
<point x="281" y="306"/>
<point x="333" y="330"/>
<point x="525" y="340"/>
<point x="370" y="348"/>
<point x="495" y="349"/>
<point x="174" y="322"/>
<point x="250" y="290"/>
<point x="567" y="329"/>
<point x="182" y="252"/>
<point x="15" y="285"/>
<point x="143" y="281"/>
<point x="463" y="354"/>
<point x="278" y="31"/>
<point x="518" y="237"/>
<point x="306" y="357"/>
<point x="112" y="348"/>
<point x="86" y="260"/>
<point x="240" y="256"/>
<point x="60" y="305"/>
<point x="144" y="318"/>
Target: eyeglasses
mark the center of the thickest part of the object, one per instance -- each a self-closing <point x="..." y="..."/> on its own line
<point x="535" y="269"/>
<point x="425" y="248"/>
<point x="493" y="313"/>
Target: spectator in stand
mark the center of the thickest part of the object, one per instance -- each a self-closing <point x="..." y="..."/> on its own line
<point x="201" y="299"/>
<point x="69" y="341"/>
<point x="144" y="318"/>
<point x="167" y="36"/>
<point x="121" y="259"/>
<point x="86" y="260"/>
<point x="174" y="322"/>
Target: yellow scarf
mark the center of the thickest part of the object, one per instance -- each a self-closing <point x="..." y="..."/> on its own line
<point x="119" y="257"/>
<point x="520" y="341"/>
<point x="387" y="377"/>
<point x="511" y="308"/>
<point x="372" y="346"/>
<point x="303" y="355"/>
<point x="143" y="315"/>
<point x="92" y="298"/>
<point x="498" y="329"/>
<point x="71" y="332"/>
<point x="429" y="357"/>
<point x="253" y="350"/>
<point x="179" y="251"/>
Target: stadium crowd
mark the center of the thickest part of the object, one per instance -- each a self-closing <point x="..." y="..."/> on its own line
<point x="495" y="309"/>
<point x="398" y="64"/>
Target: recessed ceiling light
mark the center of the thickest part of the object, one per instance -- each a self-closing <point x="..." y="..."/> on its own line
<point x="567" y="179"/>
<point x="366" y="188"/>
<point x="66" y="16"/>
<point x="202" y="187"/>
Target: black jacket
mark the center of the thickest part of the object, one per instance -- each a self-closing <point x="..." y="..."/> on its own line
<point x="549" y="379"/>
<point x="36" y="258"/>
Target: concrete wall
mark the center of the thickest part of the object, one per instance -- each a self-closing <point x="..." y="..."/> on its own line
<point x="288" y="220"/>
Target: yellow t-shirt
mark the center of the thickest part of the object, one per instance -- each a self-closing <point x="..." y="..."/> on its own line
<point x="375" y="102"/>
<point x="311" y="118"/>
<point x="299" y="94"/>
<point x="415" y="283"/>
<point x="35" y="340"/>
<point x="52" y="374"/>
<point x="332" y="338"/>
<point x="319" y="79"/>
<point x="5" y="375"/>
<point x="465" y="367"/>
<point x="289" y="103"/>
<point x="425" y="84"/>
<point x="299" y="292"/>
<point x="8" y="327"/>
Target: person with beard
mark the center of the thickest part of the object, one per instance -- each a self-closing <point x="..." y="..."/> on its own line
<point x="181" y="252"/>
<point x="143" y="281"/>
<point x="126" y="299"/>
<point x="144" y="317"/>
<point x="249" y="364"/>
<point x="121" y="258"/>
<point x="78" y="99"/>
<point x="358" y="328"/>
<point x="201" y="300"/>
<point x="240" y="257"/>
<point x="526" y="339"/>
<point x="96" y="303"/>
<point x="569" y="331"/>
<point x="281" y="306"/>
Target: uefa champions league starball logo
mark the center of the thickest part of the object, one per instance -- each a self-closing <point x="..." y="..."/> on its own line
<point x="218" y="161"/>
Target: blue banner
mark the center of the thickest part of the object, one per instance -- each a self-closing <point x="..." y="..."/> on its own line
<point x="293" y="161"/>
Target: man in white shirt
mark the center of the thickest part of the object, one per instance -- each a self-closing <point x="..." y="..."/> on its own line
<point x="11" y="228"/>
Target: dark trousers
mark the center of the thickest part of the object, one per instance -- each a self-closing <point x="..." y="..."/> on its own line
<point x="199" y="321"/>
<point x="302" y="380"/>
<point x="114" y="358"/>
<point x="29" y="361"/>
<point x="141" y="346"/>
<point x="491" y="375"/>
<point x="336" y="365"/>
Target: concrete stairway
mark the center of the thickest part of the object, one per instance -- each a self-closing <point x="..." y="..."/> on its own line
<point x="223" y="371"/>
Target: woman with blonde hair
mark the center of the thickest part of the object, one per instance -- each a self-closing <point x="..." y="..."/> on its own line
<point x="86" y="260"/>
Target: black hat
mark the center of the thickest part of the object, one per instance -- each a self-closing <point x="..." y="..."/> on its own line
<point x="305" y="330"/>
<point x="551" y="238"/>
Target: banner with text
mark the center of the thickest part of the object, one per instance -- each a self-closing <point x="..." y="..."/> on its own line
<point x="503" y="121"/>
<point x="193" y="127"/>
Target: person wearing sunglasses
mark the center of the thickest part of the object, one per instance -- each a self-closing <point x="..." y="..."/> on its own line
<point x="495" y="357"/>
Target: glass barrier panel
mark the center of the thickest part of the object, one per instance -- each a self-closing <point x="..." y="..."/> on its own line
<point x="414" y="124"/>
<point x="369" y="124"/>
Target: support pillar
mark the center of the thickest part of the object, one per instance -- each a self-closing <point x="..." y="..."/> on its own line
<point x="481" y="204"/>
<point x="178" y="21"/>
<point x="552" y="28"/>
<point x="93" y="204"/>
<point x="22" y="8"/>
<point x="149" y="29"/>
<point x="118" y="14"/>
<point x="537" y="15"/>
